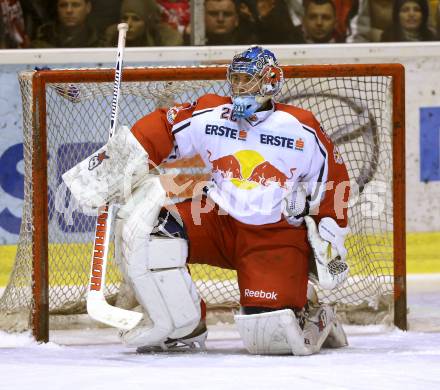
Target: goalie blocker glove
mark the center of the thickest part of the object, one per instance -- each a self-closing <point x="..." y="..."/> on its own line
<point x="111" y="173"/>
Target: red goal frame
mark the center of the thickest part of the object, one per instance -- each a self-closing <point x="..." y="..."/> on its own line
<point x="40" y="311"/>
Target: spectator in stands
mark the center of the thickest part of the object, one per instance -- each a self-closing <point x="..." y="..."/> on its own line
<point x="319" y="22"/>
<point x="410" y="22"/>
<point x="222" y="24"/>
<point x="36" y="13"/>
<point x="433" y="25"/>
<point x="248" y="18"/>
<point x="274" y="24"/>
<point x="71" y="29"/>
<point x="380" y="15"/>
<point x="2" y="34"/>
<point x="346" y="22"/>
<point x="144" y="26"/>
<point x="437" y="20"/>
<point x="351" y="24"/>
<point x="177" y="14"/>
<point x="105" y="13"/>
<point x="12" y="28"/>
<point x="358" y="22"/>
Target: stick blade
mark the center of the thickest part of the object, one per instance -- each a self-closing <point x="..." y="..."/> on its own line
<point x="101" y="311"/>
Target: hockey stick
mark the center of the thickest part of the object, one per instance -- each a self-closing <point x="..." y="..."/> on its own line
<point x="97" y="306"/>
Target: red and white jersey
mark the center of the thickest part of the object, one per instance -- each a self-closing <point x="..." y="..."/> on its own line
<point x="254" y="162"/>
<point x="11" y="16"/>
<point x="177" y="14"/>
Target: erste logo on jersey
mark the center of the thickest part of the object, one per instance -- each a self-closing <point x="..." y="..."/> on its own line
<point x="225" y="131"/>
<point x="265" y="139"/>
<point x="299" y="144"/>
<point x="282" y="142"/>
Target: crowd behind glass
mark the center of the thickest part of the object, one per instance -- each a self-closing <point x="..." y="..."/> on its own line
<point x="92" y="23"/>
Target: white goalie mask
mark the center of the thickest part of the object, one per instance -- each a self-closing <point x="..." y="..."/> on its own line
<point x="254" y="77"/>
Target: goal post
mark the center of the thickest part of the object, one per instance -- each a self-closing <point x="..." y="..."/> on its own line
<point x="361" y="107"/>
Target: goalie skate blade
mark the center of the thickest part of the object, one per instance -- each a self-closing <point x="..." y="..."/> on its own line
<point x="101" y="311"/>
<point x="192" y="344"/>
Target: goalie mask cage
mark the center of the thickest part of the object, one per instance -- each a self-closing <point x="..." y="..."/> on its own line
<point x="65" y="114"/>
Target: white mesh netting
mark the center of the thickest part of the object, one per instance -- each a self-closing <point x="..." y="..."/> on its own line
<point x="354" y="111"/>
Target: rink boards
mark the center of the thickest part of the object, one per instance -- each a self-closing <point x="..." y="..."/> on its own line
<point x="423" y="256"/>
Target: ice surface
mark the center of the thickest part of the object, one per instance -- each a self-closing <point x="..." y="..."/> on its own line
<point x="378" y="357"/>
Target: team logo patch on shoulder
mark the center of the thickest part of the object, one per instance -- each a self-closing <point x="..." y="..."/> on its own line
<point x="338" y="156"/>
<point x="172" y="114"/>
<point x="174" y="111"/>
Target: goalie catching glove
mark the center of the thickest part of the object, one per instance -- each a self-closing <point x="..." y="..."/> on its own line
<point x="327" y="242"/>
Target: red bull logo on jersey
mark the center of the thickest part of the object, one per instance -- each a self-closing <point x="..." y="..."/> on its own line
<point x="248" y="169"/>
<point x="227" y="166"/>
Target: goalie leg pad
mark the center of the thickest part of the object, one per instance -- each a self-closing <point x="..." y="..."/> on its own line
<point x="133" y="225"/>
<point x="173" y="305"/>
<point x="280" y="333"/>
<point x="317" y="326"/>
<point x="336" y="337"/>
<point x="156" y="269"/>
<point x="110" y="173"/>
<point x="272" y="333"/>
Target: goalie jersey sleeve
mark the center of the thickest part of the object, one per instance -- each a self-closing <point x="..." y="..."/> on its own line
<point x="157" y="131"/>
<point x="154" y="133"/>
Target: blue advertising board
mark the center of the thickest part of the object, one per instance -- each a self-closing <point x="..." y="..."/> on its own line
<point x="429" y="143"/>
<point x="12" y="188"/>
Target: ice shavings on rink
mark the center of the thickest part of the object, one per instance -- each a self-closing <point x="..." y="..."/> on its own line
<point x="375" y="359"/>
<point x="378" y="357"/>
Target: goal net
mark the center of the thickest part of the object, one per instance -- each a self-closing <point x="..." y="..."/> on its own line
<point x="66" y="117"/>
